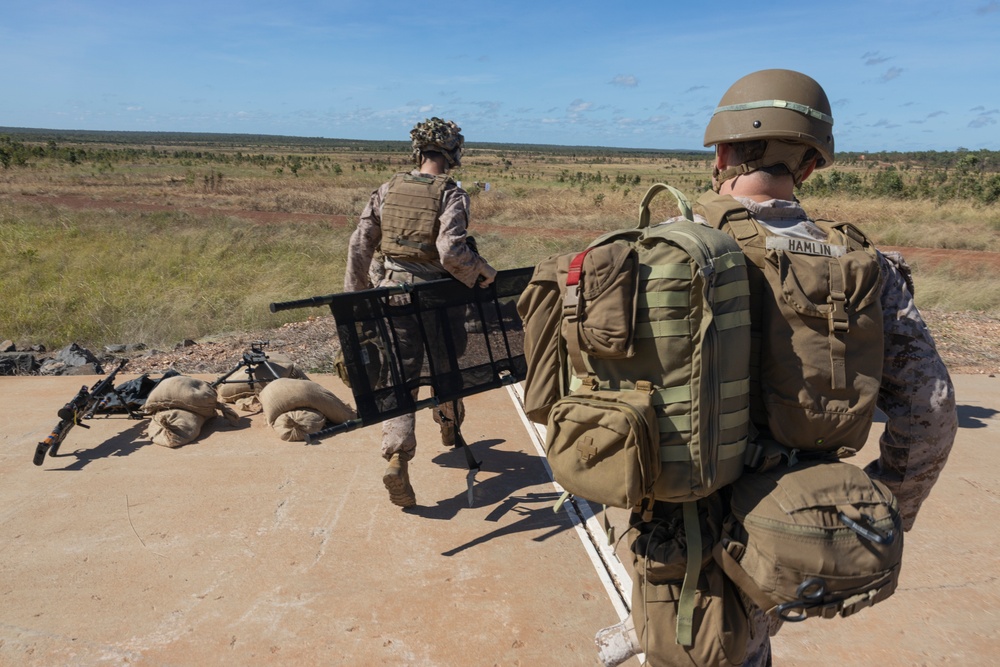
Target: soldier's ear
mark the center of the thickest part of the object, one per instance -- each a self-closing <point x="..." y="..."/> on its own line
<point x="723" y="153"/>
<point x="810" y="169"/>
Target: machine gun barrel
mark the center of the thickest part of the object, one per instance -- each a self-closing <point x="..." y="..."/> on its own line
<point x="311" y="302"/>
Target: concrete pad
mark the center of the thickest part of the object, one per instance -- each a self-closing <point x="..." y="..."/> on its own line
<point x="243" y="549"/>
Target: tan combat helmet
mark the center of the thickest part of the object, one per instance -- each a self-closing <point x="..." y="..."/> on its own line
<point x="438" y="135"/>
<point x="787" y="109"/>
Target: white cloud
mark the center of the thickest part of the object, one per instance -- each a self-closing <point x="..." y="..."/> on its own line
<point x="891" y="73"/>
<point x="625" y="81"/>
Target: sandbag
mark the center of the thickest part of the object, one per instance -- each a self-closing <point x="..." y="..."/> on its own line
<point x="175" y="427"/>
<point x="185" y="393"/>
<point x="286" y="394"/>
<point x="295" y="425"/>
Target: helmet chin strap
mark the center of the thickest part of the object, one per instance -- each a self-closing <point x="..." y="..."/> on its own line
<point x="778" y="151"/>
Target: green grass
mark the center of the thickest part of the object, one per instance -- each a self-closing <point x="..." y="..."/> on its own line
<point x="101" y="277"/>
<point x="119" y="275"/>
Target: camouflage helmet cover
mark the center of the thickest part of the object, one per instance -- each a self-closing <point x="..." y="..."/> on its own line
<point x="775" y="104"/>
<point x="443" y="136"/>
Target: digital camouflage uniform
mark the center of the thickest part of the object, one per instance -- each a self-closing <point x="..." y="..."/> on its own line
<point x="456" y="259"/>
<point x="916" y="395"/>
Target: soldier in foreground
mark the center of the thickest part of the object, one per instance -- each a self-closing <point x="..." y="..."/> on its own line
<point x="771" y="130"/>
<point x="418" y="221"/>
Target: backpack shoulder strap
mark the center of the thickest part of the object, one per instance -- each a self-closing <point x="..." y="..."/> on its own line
<point x="853" y="237"/>
<point x="725" y="213"/>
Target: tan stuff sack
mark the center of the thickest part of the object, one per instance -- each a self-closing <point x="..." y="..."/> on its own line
<point x="186" y="403"/>
<point x="818" y="539"/>
<point x="185" y="393"/>
<point x="817" y="330"/>
<point x="291" y="407"/>
<point x="174" y="428"/>
<point x="641" y="342"/>
<point x="295" y="425"/>
<point x="719" y="627"/>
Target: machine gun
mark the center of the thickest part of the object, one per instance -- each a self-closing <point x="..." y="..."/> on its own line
<point x="81" y="407"/>
<point x="251" y="360"/>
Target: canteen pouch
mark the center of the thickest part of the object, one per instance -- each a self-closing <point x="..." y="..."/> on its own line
<point x="720" y="625"/>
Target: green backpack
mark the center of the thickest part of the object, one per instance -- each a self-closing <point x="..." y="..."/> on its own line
<point x="638" y="364"/>
<point x="637" y="351"/>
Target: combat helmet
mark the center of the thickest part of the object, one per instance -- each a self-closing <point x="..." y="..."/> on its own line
<point x="787" y="109"/>
<point x="443" y="136"/>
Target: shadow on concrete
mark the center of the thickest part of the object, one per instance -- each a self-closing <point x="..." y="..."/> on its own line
<point x="973" y="416"/>
<point x="122" y="444"/>
<point x="501" y="478"/>
<point x="533" y="518"/>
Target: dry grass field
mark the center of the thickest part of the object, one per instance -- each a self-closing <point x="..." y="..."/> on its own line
<point x="112" y="242"/>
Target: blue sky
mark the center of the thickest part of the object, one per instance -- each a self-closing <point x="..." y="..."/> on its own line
<point x="901" y="75"/>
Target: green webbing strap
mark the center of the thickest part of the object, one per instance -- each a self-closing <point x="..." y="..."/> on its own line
<point x="682" y="393"/>
<point x="735" y="388"/>
<point x="728" y="261"/>
<point x="663" y="328"/>
<point x="562" y="501"/>
<point x="729" y="420"/>
<point x="685" y="606"/>
<point x="670" y="395"/>
<point x="660" y="271"/>
<point x="778" y="104"/>
<point x="740" y="318"/>
<point x="674" y="424"/>
<point x="681" y="453"/>
<point x="732" y="291"/>
<point x="663" y="299"/>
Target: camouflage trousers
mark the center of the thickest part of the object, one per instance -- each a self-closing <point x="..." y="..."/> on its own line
<point x="398" y="434"/>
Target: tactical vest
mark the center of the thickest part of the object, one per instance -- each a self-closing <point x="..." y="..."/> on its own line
<point x="816" y="330"/>
<point x="410" y="216"/>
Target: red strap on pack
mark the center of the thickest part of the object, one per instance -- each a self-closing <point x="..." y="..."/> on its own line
<point x="576" y="268"/>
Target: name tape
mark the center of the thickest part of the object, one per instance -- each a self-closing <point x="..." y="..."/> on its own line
<point x="805" y="247"/>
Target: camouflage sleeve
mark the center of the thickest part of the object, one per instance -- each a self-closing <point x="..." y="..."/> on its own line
<point x="457" y="257"/>
<point x="917" y="397"/>
<point x="364" y="242"/>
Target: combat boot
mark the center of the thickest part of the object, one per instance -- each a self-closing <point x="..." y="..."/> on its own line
<point x="397" y="481"/>
<point x="448" y="433"/>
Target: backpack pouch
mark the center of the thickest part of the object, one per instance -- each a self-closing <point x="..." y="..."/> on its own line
<point x="721" y="628"/>
<point x="609" y="285"/>
<point x="822" y="348"/>
<point x="816" y="539"/>
<point x="603" y="445"/>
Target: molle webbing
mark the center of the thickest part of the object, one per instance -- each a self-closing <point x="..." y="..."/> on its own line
<point x="665" y="291"/>
<point x="410" y="216"/>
